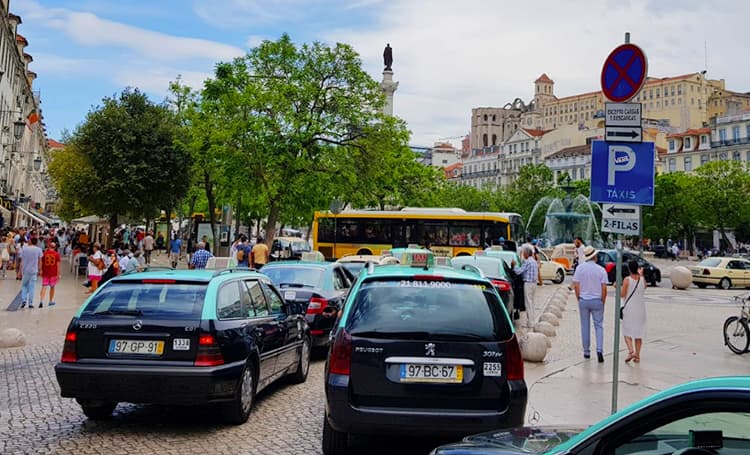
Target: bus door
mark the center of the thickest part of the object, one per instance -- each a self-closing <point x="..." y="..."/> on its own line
<point x="404" y="232"/>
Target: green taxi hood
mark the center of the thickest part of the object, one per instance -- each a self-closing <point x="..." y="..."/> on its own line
<point x="729" y="382"/>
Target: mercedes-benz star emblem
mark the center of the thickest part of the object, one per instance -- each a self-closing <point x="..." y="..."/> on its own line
<point x="429" y="349"/>
<point x="137" y="324"/>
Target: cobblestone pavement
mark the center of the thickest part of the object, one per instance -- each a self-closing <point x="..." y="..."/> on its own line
<point x="287" y="419"/>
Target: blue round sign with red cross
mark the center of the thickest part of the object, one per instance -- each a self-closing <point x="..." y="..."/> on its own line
<point x="624" y="73"/>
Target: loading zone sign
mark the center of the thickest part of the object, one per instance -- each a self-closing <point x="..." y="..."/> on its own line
<point x="622" y="173"/>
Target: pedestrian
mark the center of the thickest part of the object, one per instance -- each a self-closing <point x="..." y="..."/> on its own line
<point x="50" y="273"/>
<point x="536" y="258"/>
<point x="148" y="247"/>
<point x="31" y="263"/>
<point x="200" y="257"/>
<point x="95" y="268"/>
<point x="175" y="248"/>
<point x="633" y="312"/>
<point x="590" y="281"/>
<point x="4" y="253"/>
<point x="124" y="259"/>
<point x="160" y="244"/>
<point x="206" y="243"/>
<point x="529" y="270"/>
<point x="113" y="267"/>
<point x="580" y="257"/>
<point x="675" y="252"/>
<point x="259" y="254"/>
<point x="243" y="252"/>
<point x="133" y="265"/>
<point x="18" y="246"/>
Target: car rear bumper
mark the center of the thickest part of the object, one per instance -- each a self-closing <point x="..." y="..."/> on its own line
<point x="345" y="417"/>
<point x="183" y="385"/>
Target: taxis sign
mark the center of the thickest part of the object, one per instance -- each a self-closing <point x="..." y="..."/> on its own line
<point x="418" y="258"/>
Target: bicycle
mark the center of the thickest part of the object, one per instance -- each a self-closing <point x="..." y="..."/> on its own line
<point x="736" y="330"/>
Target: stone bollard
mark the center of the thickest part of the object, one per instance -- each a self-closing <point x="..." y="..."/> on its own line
<point x="681" y="277"/>
<point x="11" y="338"/>
<point x="549" y="317"/>
<point x="545" y="328"/>
<point x="533" y="347"/>
<point x="554" y="309"/>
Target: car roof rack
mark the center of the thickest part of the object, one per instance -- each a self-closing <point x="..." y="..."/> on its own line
<point x="232" y="270"/>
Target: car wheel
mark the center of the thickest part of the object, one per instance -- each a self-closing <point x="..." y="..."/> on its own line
<point x="97" y="410"/>
<point x="559" y="276"/>
<point x="701" y="285"/>
<point x="238" y="410"/>
<point x="303" y="366"/>
<point x="334" y="442"/>
<point x="725" y="283"/>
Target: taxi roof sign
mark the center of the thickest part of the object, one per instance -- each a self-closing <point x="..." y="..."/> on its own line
<point x="313" y="256"/>
<point x="418" y="258"/>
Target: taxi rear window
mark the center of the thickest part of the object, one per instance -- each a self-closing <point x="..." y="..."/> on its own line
<point x="173" y="300"/>
<point x="416" y="309"/>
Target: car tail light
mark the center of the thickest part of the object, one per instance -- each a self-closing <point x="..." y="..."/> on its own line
<point x="316" y="305"/>
<point x="501" y="285"/>
<point x="427" y="278"/>
<point x="340" y="360"/>
<point x="208" y="353"/>
<point x="69" y="348"/>
<point x="706" y="272"/>
<point x="610" y="266"/>
<point x="515" y="360"/>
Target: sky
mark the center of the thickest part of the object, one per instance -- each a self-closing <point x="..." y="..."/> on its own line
<point x="449" y="56"/>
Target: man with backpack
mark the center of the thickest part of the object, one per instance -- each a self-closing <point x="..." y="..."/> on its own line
<point x="243" y="252"/>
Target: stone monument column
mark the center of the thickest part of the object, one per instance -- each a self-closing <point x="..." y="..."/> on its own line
<point x="389" y="86"/>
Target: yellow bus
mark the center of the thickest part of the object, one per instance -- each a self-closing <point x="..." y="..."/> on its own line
<point x="448" y="231"/>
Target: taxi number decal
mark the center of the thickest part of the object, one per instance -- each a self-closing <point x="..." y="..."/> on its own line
<point x="425" y="284"/>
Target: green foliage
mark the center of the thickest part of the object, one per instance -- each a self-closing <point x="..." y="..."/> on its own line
<point x="722" y="195"/>
<point x="123" y="161"/>
<point x="534" y="182"/>
<point x="70" y="171"/>
<point x="675" y="212"/>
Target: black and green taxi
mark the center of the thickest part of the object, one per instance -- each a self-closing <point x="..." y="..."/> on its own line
<point x="705" y="417"/>
<point x="421" y="349"/>
<point x="182" y="337"/>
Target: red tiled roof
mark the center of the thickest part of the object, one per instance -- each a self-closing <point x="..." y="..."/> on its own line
<point x="449" y="169"/>
<point x="21" y="39"/>
<point x="691" y="132"/>
<point x="661" y="150"/>
<point x="15" y="17"/>
<point x="544" y="78"/>
<point x="576" y="150"/>
<point x="53" y="144"/>
<point x="535" y="133"/>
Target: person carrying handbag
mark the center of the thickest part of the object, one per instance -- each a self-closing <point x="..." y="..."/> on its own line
<point x="633" y="312"/>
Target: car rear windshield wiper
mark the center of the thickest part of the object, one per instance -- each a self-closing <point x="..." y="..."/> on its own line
<point x="119" y="313"/>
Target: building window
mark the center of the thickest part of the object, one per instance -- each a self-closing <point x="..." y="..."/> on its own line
<point x="672" y="165"/>
<point x="736" y="133"/>
<point x="494" y="139"/>
<point x="583" y="173"/>
<point x="679" y="89"/>
<point x="688" y="143"/>
<point x="679" y="100"/>
<point x="723" y="156"/>
<point x="493" y="117"/>
<point x="722" y="135"/>
<point x="704" y="159"/>
<point x="692" y="100"/>
<point x="485" y="117"/>
<point x="574" y="174"/>
<point x="748" y="131"/>
<point x="688" y="164"/>
<point x="671" y="145"/>
<point x="704" y="139"/>
<point x="748" y="156"/>
<point x="484" y="139"/>
<point x="736" y="156"/>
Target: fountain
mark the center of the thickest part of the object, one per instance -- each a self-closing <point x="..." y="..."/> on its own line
<point x="567" y="218"/>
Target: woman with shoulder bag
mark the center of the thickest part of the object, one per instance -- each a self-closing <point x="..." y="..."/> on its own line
<point x="633" y="312"/>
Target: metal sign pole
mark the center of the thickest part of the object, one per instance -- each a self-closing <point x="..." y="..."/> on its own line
<point x="616" y="343"/>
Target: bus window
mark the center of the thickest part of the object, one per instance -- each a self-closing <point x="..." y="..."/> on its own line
<point x="465" y="234"/>
<point x="325" y="229"/>
<point x="435" y="233"/>
<point x="493" y="232"/>
<point x="377" y="231"/>
<point x="349" y="230"/>
<point x="404" y="233"/>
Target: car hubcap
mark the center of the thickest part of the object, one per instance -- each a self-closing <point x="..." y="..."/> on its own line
<point x="305" y="360"/>
<point x="247" y="390"/>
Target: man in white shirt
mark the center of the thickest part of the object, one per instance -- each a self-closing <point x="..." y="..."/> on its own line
<point x="590" y="281"/>
<point x="580" y="256"/>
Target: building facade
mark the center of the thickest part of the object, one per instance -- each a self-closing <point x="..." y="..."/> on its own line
<point x="24" y="186"/>
<point x="519" y="150"/>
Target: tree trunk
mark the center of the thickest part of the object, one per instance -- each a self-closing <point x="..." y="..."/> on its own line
<point x="238" y="219"/>
<point x="208" y="185"/>
<point x="273" y="216"/>
<point x="112" y="226"/>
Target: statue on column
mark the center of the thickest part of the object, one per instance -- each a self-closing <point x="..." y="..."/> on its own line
<point x="388" y="57"/>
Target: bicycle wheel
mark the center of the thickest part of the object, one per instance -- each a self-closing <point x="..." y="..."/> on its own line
<point x="736" y="334"/>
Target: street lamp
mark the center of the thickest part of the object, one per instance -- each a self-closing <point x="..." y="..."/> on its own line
<point x="18" y="128"/>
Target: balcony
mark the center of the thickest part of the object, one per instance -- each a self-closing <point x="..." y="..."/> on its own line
<point x="727" y="142"/>
<point x="479" y="174"/>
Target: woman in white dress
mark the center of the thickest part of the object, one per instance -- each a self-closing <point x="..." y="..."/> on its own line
<point x="634" y="312"/>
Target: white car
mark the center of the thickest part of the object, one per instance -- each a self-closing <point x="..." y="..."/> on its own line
<point x="550" y="270"/>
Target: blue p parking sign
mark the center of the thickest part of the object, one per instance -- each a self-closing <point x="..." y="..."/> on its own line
<point x="622" y="172"/>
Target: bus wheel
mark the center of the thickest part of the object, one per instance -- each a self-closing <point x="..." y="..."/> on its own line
<point x="364" y="252"/>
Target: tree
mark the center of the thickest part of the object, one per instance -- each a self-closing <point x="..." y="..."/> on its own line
<point x="135" y="167"/>
<point x="675" y="213"/>
<point x="290" y="113"/>
<point x="722" y="195"/>
<point x="70" y="171"/>
<point x="534" y="182"/>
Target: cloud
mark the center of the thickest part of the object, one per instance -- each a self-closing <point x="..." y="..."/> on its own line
<point x="451" y="56"/>
<point x="90" y="30"/>
<point x="234" y="13"/>
<point x="63" y="66"/>
<point x="254" y="41"/>
<point x="156" y="80"/>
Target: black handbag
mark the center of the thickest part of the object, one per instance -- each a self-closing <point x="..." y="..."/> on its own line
<point x="622" y="308"/>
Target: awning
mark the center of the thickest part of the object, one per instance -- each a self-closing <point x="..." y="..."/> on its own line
<point x="91" y="219"/>
<point x="31" y="215"/>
